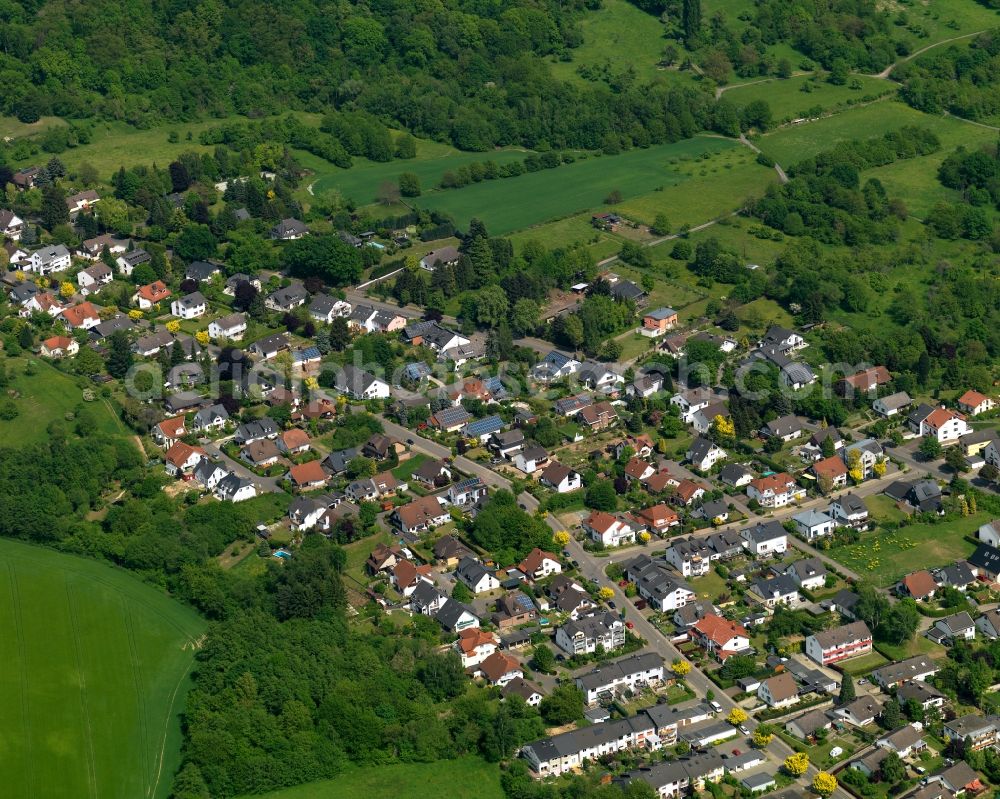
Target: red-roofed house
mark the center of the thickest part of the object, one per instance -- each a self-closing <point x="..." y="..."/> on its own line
<point x="775" y="490"/>
<point x="833" y="469"/>
<point x="500" y="668"/>
<point x="945" y="425"/>
<point x="308" y="475"/>
<point x="974" y="403"/>
<point x="660" y="481"/>
<point x="83" y="316"/>
<point x="181" y="459"/>
<point x="293" y="441"/>
<point x="657" y="518"/>
<point x="919" y="585"/>
<point x="538" y="564"/>
<point x="864" y="381"/>
<point x="638" y="469"/>
<point x="688" y="491"/>
<point x="720" y="637"/>
<point x="147" y="296"/>
<point x="612" y="531"/>
<point x="59" y="347"/>
<point x="406" y="575"/>
<point x="169" y="431"/>
<point x="475" y="645"/>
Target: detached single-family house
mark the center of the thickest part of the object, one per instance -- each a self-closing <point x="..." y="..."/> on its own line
<point x="905" y="741"/>
<point x="82" y="201"/>
<point x="892" y="404"/>
<point x="359" y="384"/>
<point x="813" y="524"/>
<point x="560" y="478"/>
<point x="808" y="573"/>
<point x="444" y="256"/>
<point x="421" y="514"/>
<point x="704" y="453"/>
<point x="59" y="347"/>
<point x="787" y="428"/>
<point x="974" y="403"/>
<point x="287" y="298"/>
<point x="611" y="531"/>
<point x="92" y="279"/>
<point x="11" y="225"/>
<point x="539" y="564"/>
<point x="958" y="627"/>
<point x="149" y="295"/>
<point x="325" y="308"/>
<point x="231" y="327"/>
<point x="830" y="470"/>
<point x="45" y="261"/>
<point x="779" y="691"/>
<point x="190" y="306"/>
<point x="720" y="637"/>
<point x="657" y="322"/>
<point x="128" y="261"/>
<point x="289" y="230"/>
<point x="775" y="490"/>
<point x="765" y="538"/>
<point x="81" y="317"/>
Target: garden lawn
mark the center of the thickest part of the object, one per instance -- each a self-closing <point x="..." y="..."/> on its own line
<point x="918" y="645"/>
<point x="465" y="778"/>
<point x="570" y="189"/>
<point x="406" y="469"/>
<point x="96" y="669"/>
<point x="47" y="396"/>
<point x="863" y="664"/>
<point x="885" y="557"/>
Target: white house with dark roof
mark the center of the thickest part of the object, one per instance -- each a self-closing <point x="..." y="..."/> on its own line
<point x="191" y="306"/>
<point x="49" y="259"/>
<point x="704" y="453"/>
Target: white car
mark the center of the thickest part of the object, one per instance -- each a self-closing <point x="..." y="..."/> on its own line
<point x="836" y="751"/>
<point x="715" y="706"/>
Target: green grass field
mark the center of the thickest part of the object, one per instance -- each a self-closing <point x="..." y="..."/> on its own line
<point x="790" y="145"/>
<point x="46" y="396"/>
<point x="945" y="19"/>
<point x="885" y="557"/>
<point x="711" y="189"/>
<point x="617" y="36"/>
<point x="518" y="203"/>
<point x="95" y="675"/>
<point x="788" y="101"/>
<point x="571" y="231"/>
<point x="465" y="778"/>
<point x="362" y="181"/>
<point x="116" y="144"/>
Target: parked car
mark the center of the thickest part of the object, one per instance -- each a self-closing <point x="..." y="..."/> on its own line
<point x="611" y="604"/>
<point x="629" y="625"/>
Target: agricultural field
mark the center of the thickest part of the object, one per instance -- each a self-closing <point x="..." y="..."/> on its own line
<point x="42" y="395"/>
<point x="569" y="232"/>
<point x="884" y="557"/>
<point x="465" y="778"/>
<point x="362" y="181"/>
<point x="789" y="100"/>
<point x="709" y="189"/>
<point x="96" y="672"/>
<point x="518" y="203"/>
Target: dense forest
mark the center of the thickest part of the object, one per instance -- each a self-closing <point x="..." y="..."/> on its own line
<point x="471" y="73"/>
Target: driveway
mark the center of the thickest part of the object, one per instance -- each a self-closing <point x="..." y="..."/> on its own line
<point x="264" y="485"/>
